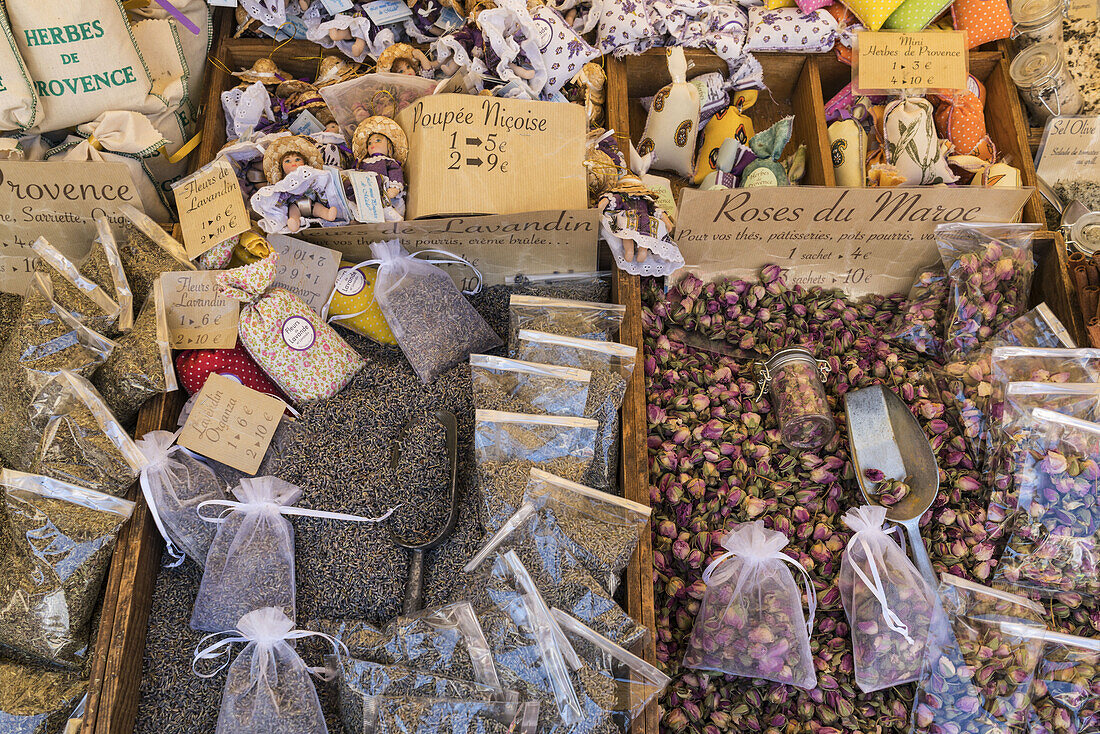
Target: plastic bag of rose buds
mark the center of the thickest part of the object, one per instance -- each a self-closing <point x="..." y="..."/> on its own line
<point x="268" y="686"/>
<point x="611" y="365"/>
<point x="888" y="604"/>
<point x="508" y="445"/>
<point x="559" y="575"/>
<point x="966" y="386"/>
<point x="919" y="327"/>
<point x="526" y="387"/>
<point x="981" y="658"/>
<point x="1054" y="547"/>
<point x="1075" y="399"/>
<point x="750" y="622"/>
<point x="990" y="268"/>
<point x="580" y="319"/>
<point x="600" y="529"/>
<point x="1065" y="695"/>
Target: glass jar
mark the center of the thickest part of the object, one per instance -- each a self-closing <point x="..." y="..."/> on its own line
<point x="1037" y="21"/>
<point x="798" y="398"/>
<point x="1045" y="82"/>
<point x="1084" y="234"/>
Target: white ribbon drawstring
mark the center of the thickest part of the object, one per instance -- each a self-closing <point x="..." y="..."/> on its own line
<point x="222" y="648"/>
<point x="157" y="458"/>
<point x="893" y="621"/>
<point x="285" y="510"/>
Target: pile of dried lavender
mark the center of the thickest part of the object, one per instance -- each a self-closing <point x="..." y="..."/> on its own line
<point x="715" y="459"/>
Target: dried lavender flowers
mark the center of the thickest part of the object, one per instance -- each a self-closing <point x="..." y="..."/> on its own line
<point x="37" y="700"/>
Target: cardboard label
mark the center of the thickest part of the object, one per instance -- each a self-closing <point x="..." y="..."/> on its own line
<point x="56" y="201"/>
<point x="368" y="199"/>
<point x="231" y="423"/>
<point x="1086" y="9"/>
<point x="859" y="240"/>
<point x="306" y="124"/>
<point x="533" y="243"/>
<point x="211" y="207"/>
<point x="663" y="188"/>
<point x="306" y="270"/>
<point x="198" y="316"/>
<point x="385" y="12"/>
<point x="888" y="61"/>
<point x="1070" y="149"/>
<point x="493" y="155"/>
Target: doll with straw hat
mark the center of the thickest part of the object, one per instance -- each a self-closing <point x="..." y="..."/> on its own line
<point x="265" y="71"/>
<point x="296" y="180"/>
<point x="401" y="58"/>
<point x="380" y="147"/>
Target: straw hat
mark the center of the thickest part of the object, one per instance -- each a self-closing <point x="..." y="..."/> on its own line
<point x="324" y="115"/>
<point x="245" y="22"/>
<point x="383" y="126"/>
<point x="273" y="156"/>
<point x="334" y="70"/>
<point x="401" y="51"/>
<point x="602" y="172"/>
<point x="264" y="71"/>
<point x="631" y="185"/>
<point x="299" y="95"/>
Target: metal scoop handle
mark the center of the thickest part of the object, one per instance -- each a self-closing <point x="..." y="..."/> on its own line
<point x="414" y="585"/>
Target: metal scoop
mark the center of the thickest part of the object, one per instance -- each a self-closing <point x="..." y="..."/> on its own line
<point x="414" y="586"/>
<point x="884" y="435"/>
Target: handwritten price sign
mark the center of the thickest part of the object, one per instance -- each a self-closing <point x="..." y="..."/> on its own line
<point x="306" y="270"/>
<point x="211" y="208"/>
<point x="890" y="61"/>
<point x="231" y="423"/>
<point x="198" y="316"/>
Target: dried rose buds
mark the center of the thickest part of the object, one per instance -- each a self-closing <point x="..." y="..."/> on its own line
<point x="891" y="491"/>
<point x="1066" y="691"/>
<point x="805" y="419"/>
<point x="918" y="327"/>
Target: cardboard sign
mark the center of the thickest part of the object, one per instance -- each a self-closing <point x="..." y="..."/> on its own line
<point x="534" y="243"/>
<point x="1086" y="9"/>
<point x="198" y="317"/>
<point x="493" y="155"/>
<point x="368" y="199"/>
<point x="1070" y="149"/>
<point x="231" y="423"/>
<point x="308" y="271"/>
<point x="55" y="200"/>
<point x="211" y="207"/>
<point x="859" y="240"/>
<point x="889" y="61"/>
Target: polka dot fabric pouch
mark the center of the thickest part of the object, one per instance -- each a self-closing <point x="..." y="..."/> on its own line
<point x="195" y="365"/>
<point x="915" y="15"/>
<point x="873" y="13"/>
<point x="983" y="20"/>
<point x="961" y="119"/>
<point x="302" y="354"/>
<point x="353" y="306"/>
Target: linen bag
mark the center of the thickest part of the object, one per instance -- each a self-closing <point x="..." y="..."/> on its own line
<point x="750" y="621"/>
<point x="83" y="59"/>
<point x="160" y="45"/>
<point x="564" y="52"/>
<point x="888" y="603"/>
<point x="127" y="138"/>
<point x="302" y="354"/>
<point x="174" y="484"/>
<point x="353" y="306"/>
<point x="960" y="118"/>
<point x="268" y="686"/>
<point x="195" y="45"/>
<point x="673" y="121"/>
<point x="911" y="144"/>
<point x="767" y="146"/>
<point x="848" y="146"/>
<point x="19" y="110"/>
<point x="433" y="323"/>
<point x="624" y="26"/>
<point x="873" y="13"/>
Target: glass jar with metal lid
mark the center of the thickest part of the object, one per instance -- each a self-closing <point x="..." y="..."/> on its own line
<point x="1084" y="234"/>
<point x="1045" y="83"/>
<point x="798" y="398"/>
<point x="1037" y="21"/>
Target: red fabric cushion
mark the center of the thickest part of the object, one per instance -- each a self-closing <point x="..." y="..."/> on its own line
<point x="195" y="365"/>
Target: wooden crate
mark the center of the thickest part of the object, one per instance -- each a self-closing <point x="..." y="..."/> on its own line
<point x="1052" y="283"/>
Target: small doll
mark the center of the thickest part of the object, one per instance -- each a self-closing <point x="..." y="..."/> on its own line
<point x="380" y="147"/>
<point x="462" y="49"/>
<point x="424" y="26"/>
<point x="353" y="32"/>
<point x="401" y="58"/>
<point x="334" y="70"/>
<point x="631" y="213"/>
<point x="297" y="96"/>
<point x="325" y="117"/>
<point x="299" y="189"/>
<point x="265" y="71"/>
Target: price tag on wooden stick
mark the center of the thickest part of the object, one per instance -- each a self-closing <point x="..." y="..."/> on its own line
<point x="887" y="61"/>
<point x="198" y="316"/>
<point x="211" y="207"/>
<point x="231" y="423"/>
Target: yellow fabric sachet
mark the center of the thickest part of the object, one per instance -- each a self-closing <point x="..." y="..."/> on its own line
<point x="731" y="122"/>
<point x="354" y="307"/>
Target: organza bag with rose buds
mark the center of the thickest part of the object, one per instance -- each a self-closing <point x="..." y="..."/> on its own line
<point x="888" y="603"/>
<point x="750" y="622"/>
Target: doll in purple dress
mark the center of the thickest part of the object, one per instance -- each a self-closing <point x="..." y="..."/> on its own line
<point x="380" y="147"/>
<point x="295" y="161"/>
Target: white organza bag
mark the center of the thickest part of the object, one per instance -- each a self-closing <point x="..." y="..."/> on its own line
<point x="127" y="138"/>
<point x="175" y="483"/>
<point x="750" y="622"/>
<point x="888" y="603"/>
<point x="268" y="687"/>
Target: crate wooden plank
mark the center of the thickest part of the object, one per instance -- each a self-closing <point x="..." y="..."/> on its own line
<point x="634" y="474"/>
<point x="1052" y="283"/>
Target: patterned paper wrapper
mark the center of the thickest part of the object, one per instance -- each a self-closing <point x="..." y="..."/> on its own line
<point x="302" y="354"/>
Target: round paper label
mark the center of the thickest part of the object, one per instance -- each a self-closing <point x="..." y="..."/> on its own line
<point x="231" y="376"/>
<point x="298" y="333"/>
<point x="350" y="281"/>
<point x="545" y="32"/>
<point x="759" y="177"/>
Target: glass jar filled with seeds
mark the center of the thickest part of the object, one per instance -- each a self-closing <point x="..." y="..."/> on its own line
<point x="1045" y="83"/>
<point x="798" y="398"/>
<point x="1037" y="21"/>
